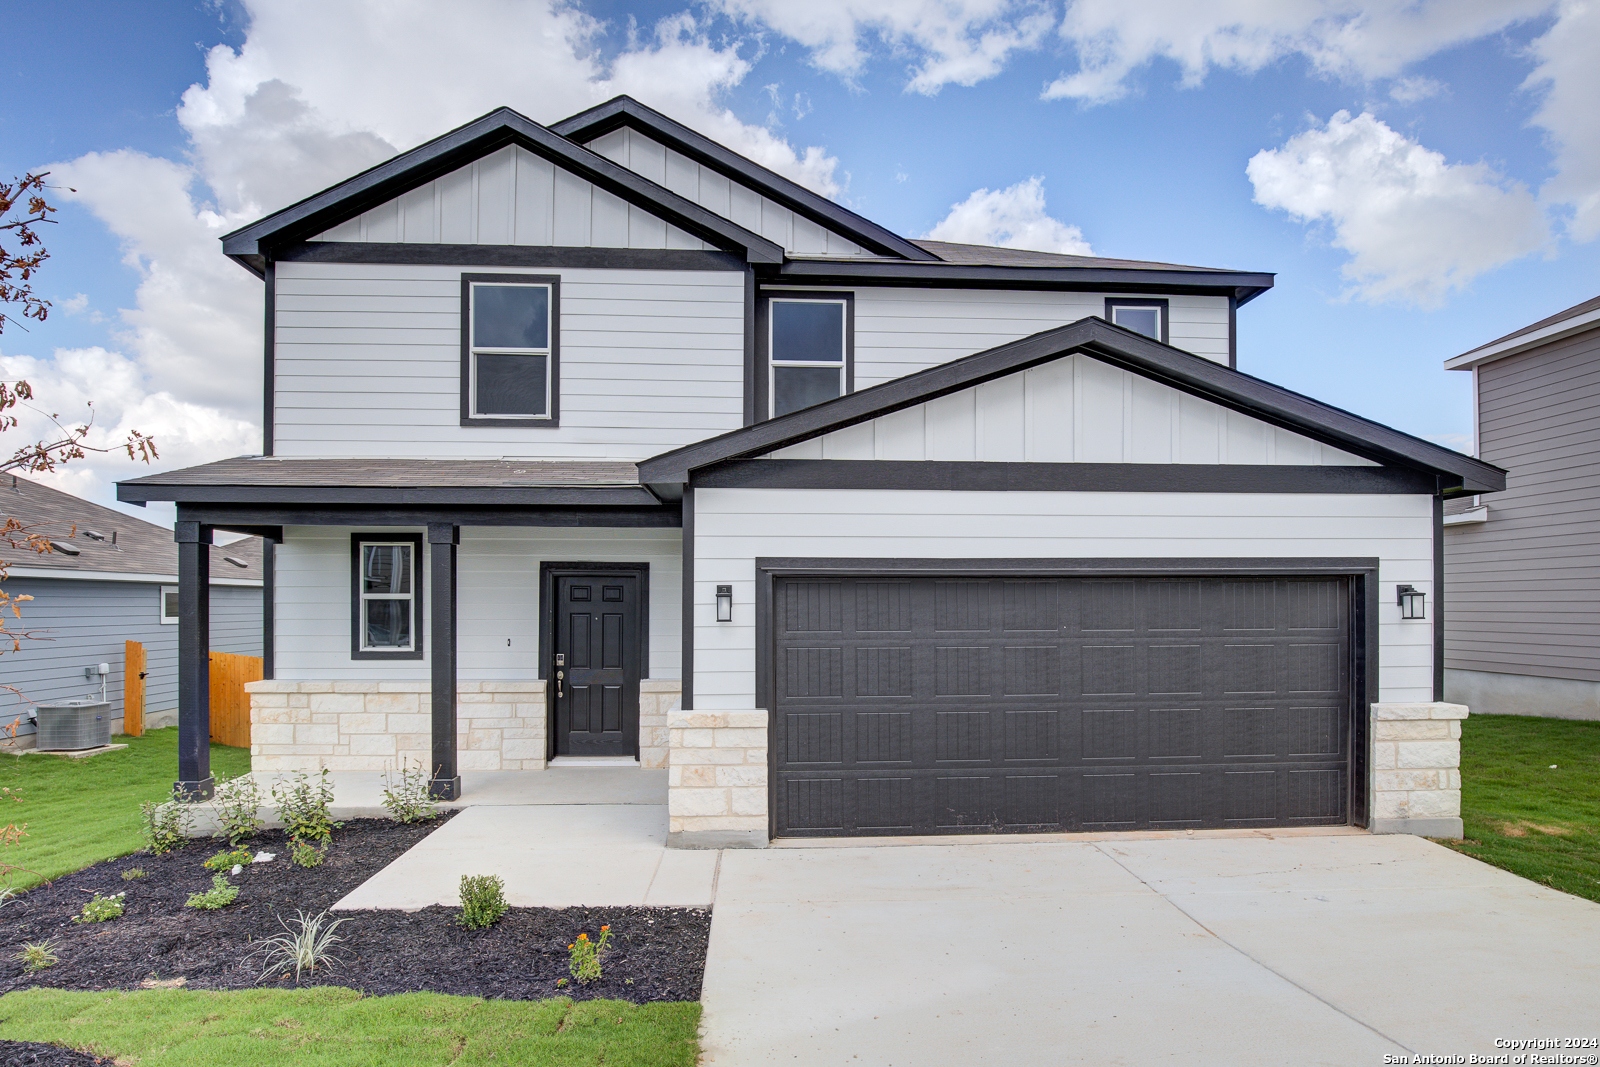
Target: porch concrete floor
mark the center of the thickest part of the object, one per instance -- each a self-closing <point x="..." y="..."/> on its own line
<point x="593" y="837"/>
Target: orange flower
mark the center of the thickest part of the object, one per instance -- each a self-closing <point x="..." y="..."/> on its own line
<point x="583" y="937"/>
<point x="603" y="929"/>
<point x="569" y="946"/>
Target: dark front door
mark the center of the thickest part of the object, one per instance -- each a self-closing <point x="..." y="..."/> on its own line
<point x="961" y="705"/>
<point x="597" y="650"/>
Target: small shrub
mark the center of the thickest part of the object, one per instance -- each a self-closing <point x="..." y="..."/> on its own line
<point x="220" y="895"/>
<point x="483" y="901"/>
<point x="37" y="955"/>
<point x="132" y="872"/>
<point x="101" y="909"/>
<point x="304" y="807"/>
<point x="406" y="796"/>
<point x="227" y="861"/>
<point x="584" y="956"/>
<point x="304" y="946"/>
<point x="164" y="826"/>
<point x="237" y="805"/>
<point x="307" y="853"/>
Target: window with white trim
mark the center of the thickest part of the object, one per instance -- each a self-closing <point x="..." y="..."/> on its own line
<point x="169" y="605"/>
<point x="808" y="351"/>
<point x="386" y="617"/>
<point x="510" y="347"/>
<point x="1148" y="317"/>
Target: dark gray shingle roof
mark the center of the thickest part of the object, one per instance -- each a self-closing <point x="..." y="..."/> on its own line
<point x="140" y="547"/>
<point x="994" y="256"/>
<point x="399" y="473"/>
<point x="1561" y="316"/>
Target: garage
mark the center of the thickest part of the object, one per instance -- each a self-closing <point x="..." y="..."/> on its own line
<point x="928" y="704"/>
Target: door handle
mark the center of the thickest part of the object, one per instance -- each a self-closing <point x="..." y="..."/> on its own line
<point x="559" y="675"/>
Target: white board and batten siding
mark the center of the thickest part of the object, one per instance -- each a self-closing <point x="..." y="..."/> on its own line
<point x="367" y="363"/>
<point x="512" y="197"/>
<point x="497" y="600"/>
<point x="735" y="526"/>
<point x="719" y="194"/>
<point x="901" y="331"/>
<point x="1072" y="410"/>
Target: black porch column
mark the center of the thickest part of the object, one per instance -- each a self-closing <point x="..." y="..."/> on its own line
<point x="194" y="661"/>
<point x="442" y="540"/>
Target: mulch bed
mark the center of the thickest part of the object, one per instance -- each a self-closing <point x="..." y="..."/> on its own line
<point x="655" y="953"/>
<point x="33" y="1054"/>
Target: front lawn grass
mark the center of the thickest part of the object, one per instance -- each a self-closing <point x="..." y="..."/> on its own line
<point x="82" y="811"/>
<point x="1524" y="815"/>
<point x="341" y="1028"/>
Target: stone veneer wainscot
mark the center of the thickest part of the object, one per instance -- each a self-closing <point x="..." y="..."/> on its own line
<point x="717" y="779"/>
<point x="378" y="726"/>
<point x="1416" y="769"/>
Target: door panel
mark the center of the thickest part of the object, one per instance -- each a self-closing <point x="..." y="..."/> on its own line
<point x="961" y="705"/>
<point x="598" y="641"/>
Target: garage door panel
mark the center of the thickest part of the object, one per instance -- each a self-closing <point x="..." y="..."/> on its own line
<point x="1020" y="704"/>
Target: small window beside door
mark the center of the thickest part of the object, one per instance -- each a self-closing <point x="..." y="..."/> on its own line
<point x="386" y="596"/>
<point x="1147" y="317"/>
<point x="808" y="342"/>
<point x="510" y="337"/>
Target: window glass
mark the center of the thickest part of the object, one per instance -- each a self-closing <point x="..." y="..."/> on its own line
<point x="794" y="388"/>
<point x="808" y="331"/>
<point x="1145" y="320"/>
<point x="386" y="568"/>
<point x="510" y="316"/>
<point x="169" y="605"/>
<point x="387" y="601"/>
<point x="510" y="384"/>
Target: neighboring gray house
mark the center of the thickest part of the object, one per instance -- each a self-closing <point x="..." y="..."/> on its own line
<point x="1523" y="570"/>
<point x="109" y="578"/>
<point x="599" y="441"/>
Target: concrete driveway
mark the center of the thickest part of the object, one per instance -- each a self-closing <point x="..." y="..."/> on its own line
<point x="1190" y="950"/>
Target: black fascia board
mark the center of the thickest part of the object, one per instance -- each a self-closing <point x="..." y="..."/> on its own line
<point x="252" y="245"/>
<point x="622" y="111"/>
<point x="1243" y="286"/>
<point x="1098" y="339"/>
<point x="143" y="491"/>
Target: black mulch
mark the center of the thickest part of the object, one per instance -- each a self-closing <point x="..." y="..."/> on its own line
<point x="33" y="1054"/>
<point x="655" y="953"/>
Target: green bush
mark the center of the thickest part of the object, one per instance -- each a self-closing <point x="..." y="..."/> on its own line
<point x="164" y="826"/>
<point x="220" y="895"/>
<point x="304" y="807"/>
<point x="307" y="853"/>
<point x="37" y="955"/>
<point x="100" y="909"/>
<point x="483" y="901"/>
<point x="237" y="804"/>
<point x="406" y="797"/>
<point x="227" y="861"/>
<point x="583" y="956"/>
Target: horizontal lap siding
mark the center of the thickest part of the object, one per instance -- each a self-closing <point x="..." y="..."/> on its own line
<point x="1076" y="409"/>
<point x="1522" y="589"/>
<point x="735" y="526"/>
<point x="367" y="363"/>
<point x="497" y="601"/>
<point x="901" y="331"/>
<point x="80" y="623"/>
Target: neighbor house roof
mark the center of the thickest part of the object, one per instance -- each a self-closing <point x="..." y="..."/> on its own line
<point x="91" y="541"/>
<point x="1098" y="339"/>
<point x="1575" y="319"/>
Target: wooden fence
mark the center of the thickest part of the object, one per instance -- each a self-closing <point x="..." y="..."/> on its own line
<point x="133" y="689"/>
<point x="230" y="704"/>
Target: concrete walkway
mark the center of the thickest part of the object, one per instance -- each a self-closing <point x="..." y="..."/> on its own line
<point x="1335" y="949"/>
<point x="559" y="838"/>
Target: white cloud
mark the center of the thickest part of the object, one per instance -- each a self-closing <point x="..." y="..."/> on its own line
<point x="1416" y="226"/>
<point x="1013" y="217"/>
<point x="316" y="93"/>
<point x="1570" y="77"/>
<point x="951" y="42"/>
<point x="1357" y="39"/>
<point x="74" y="305"/>
<point x="1416" y="88"/>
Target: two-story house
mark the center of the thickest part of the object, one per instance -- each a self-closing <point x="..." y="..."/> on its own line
<point x="600" y="442"/>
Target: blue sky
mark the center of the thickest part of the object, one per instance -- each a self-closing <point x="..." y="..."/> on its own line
<point x="1465" y="198"/>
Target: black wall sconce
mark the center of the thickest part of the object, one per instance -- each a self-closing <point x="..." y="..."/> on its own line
<point x="724" y="603"/>
<point x="1413" y="603"/>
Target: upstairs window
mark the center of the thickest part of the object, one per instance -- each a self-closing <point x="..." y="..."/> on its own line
<point x="386" y="599"/>
<point x="808" y="350"/>
<point x="1148" y="317"/>
<point x="509" y="339"/>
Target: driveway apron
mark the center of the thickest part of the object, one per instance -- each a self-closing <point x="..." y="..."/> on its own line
<point x="1194" y="950"/>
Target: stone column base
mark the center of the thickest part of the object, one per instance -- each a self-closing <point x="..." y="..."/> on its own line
<point x="1416" y="769"/>
<point x="717" y="779"/>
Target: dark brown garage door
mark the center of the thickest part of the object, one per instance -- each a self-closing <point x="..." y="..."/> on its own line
<point x="959" y="705"/>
